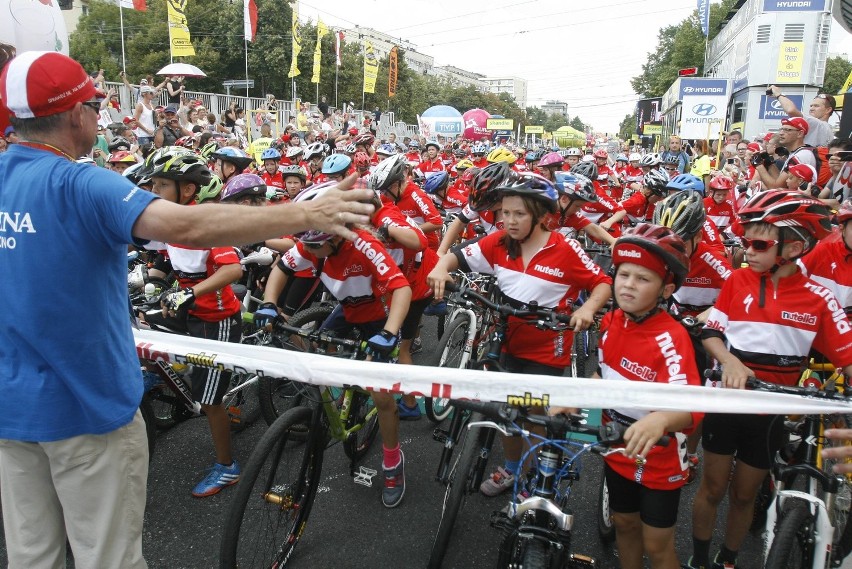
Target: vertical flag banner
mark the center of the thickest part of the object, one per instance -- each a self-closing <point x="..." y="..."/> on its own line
<point x="249" y="19"/>
<point x="322" y="29"/>
<point x="371" y="68"/>
<point x="179" y="41"/>
<point x="392" y="71"/>
<point x="297" y="44"/>
<point x="704" y="16"/>
<point x="133" y="5"/>
<point x="337" y="43"/>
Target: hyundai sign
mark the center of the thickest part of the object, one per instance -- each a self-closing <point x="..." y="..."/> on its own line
<point x="704" y="107"/>
<point x="794" y="5"/>
<point x="771" y="109"/>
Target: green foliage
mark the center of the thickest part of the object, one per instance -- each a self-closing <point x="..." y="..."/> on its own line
<point x="678" y="47"/>
<point x="627" y="128"/>
<point x="576" y="123"/>
<point x="836" y="71"/>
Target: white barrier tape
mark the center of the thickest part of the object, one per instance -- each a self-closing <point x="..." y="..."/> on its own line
<point x="469" y="384"/>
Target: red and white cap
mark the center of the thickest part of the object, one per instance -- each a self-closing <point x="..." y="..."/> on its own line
<point x="44" y="83"/>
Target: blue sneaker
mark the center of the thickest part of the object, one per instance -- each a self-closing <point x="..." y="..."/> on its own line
<point x="394" y="488"/>
<point x="220" y="476"/>
<point x="436" y="309"/>
<point x="407" y="413"/>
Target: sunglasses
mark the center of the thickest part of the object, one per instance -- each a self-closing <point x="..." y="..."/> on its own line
<point x="94" y="105"/>
<point x="670" y="167"/>
<point x="759" y="245"/>
<point x="315" y="245"/>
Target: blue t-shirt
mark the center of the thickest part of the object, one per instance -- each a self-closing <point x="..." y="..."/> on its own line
<point x="68" y="363"/>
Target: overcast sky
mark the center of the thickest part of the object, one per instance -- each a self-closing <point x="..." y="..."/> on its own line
<point x="583" y="54"/>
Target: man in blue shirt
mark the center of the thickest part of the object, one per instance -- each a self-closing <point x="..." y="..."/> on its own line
<point x="73" y="455"/>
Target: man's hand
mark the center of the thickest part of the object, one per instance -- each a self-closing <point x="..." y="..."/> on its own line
<point x="338" y="207"/>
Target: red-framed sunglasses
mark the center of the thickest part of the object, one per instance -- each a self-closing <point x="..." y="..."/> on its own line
<point x="759" y="245"/>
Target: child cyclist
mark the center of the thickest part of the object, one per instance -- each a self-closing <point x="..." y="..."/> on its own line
<point x="271" y="175"/>
<point x="532" y="264"/>
<point x="830" y="263"/>
<point x="358" y="274"/>
<point x="205" y="304"/>
<point x="763" y="324"/>
<point x="639" y="342"/>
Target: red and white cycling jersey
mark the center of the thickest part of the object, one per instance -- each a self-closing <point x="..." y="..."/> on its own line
<point x="656" y="350"/>
<point x="771" y="330"/>
<point x="722" y="214"/>
<point x="575" y="223"/>
<point x="638" y="206"/>
<point x="195" y="265"/>
<point x="485" y="219"/>
<point x="553" y="278"/>
<point x="479" y="162"/>
<point x="436" y="165"/>
<point x="413" y="156"/>
<point x="711" y="236"/>
<point x="316" y="177"/>
<point x="411" y="262"/>
<point x="830" y="264"/>
<point x="601" y="210"/>
<point x="456" y="197"/>
<point x="275" y="180"/>
<point x="357" y="275"/>
<point x="418" y="206"/>
<point x="708" y="271"/>
<point x="633" y="173"/>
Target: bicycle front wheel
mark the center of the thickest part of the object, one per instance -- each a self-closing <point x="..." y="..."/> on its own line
<point x="359" y="442"/>
<point x="606" y="528"/>
<point x="457" y="489"/>
<point x="792" y="547"/>
<point x="272" y="502"/>
<point x="450" y="354"/>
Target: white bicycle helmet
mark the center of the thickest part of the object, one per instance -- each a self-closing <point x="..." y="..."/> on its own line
<point x="650" y="160"/>
<point x="635" y="157"/>
<point x="294" y="151"/>
<point x="573" y="152"/>
<point x="315" y="149"/>
<point x="387" y="172"/>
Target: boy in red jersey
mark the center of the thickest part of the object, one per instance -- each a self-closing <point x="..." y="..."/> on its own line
<point x="720" y="208"/>
<point x="763" y="324"/>
<point x="642" y="342"/>
<point x="830" y="263"/>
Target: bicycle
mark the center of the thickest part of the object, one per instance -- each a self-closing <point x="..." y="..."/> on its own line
<point x="804" y="528"/>
<point x="270" y="508"/>
<point x="537" y="524"/>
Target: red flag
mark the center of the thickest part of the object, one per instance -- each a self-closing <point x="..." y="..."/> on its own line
<point x="339" y="36"/>
<point x="134" y="5"/>
<point x="249" y="19"/>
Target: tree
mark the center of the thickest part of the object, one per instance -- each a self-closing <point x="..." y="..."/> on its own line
<point x="678" y="47"/>
<point x="836" y="71"/>
<point x="627" y="128"/>
<point x="576" y="123"/>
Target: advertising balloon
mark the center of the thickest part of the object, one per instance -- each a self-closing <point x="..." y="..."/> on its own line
<point x="441" y="120"/>
<point x="475" y="121"/>
<point x="568" y="137"/>
<point x="33" y="25"/>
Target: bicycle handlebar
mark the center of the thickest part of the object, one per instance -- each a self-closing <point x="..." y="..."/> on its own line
<point x="828" y="393"/>
<point x="316" y="335"/>
<point x="546" y="317"/>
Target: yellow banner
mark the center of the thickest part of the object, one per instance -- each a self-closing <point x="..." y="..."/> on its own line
<point x="791" y="57"/>
<point x="371" y="68"/>
<point x="532" y="129"/>
<point x="297" y="44"/>
<point x="180" y="44"/>
<point x="841" y="95"/>
<point x="649" y="129"/>
<point x="322" y="29"/>
<point x="392" y="71"/>
<point x="499" y="124"/>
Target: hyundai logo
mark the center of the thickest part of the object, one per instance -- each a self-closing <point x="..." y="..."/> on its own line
<point x="688" y="89"/>
<point x="704" y="109"/>
<point x="776" y="105"/>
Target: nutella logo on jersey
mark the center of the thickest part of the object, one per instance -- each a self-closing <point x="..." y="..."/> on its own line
<point x="697" y="280"/>
<point x="352" y="269"/>
<point x="552" y="271"/>
<point x="716" y="265"/>
<point x="642" y="372"/>
<point x="800" y="317"/>
<point x="709" y="233"/>
<point x="584" y="258"/>
<point x="378" y="259"/>
<point x="837" y="313"/>
<point x="289" y="260"/>
<point x="667" y="348"/>
<point x="420" y="203"/>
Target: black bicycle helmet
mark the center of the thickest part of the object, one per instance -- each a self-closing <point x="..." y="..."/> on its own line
<point x="483" y="195"/>
<point x="656" y="181"/>
<point x="682" y="212"/>
<point x="529" y="184"/>
<point x="587" y="169"/>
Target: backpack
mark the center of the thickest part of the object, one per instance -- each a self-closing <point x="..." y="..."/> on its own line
<point x="821" y="157"/>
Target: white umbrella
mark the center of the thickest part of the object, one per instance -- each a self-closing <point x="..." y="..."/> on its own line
<point x="184" y="69"/>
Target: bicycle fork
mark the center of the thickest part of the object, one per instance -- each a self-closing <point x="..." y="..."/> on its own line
<point x="823" y="530"/>
<point x="178" y="385"/>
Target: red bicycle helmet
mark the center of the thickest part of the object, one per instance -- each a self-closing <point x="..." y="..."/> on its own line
<point x="600" y="153"/>
<point x="483" y="194"/>
<point x="671" y="260"/>
<point x="844" y="214"/>
<point x="468" y="175"/>
<point x="365" y="139"/>
<point x="721" y="183"/>
<point x="362" y="161"/>
<point x="785" y="209"/>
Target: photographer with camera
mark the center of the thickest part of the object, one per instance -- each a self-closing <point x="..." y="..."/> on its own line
<point x="791" y="136"/>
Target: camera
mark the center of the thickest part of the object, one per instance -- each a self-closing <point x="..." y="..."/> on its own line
<point x="769" y="92"/>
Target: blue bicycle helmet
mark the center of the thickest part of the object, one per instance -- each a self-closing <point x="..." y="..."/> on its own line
<point x="686" y="182"/>
<point x="270" y="154"/>
<point x="386" y="149"/>
<point x="621" y="158"/>
<point x="435" y="182"/>
<point x="575" y="186"/>
<point x="235" y="156"/>
<point x="336" y="164"/>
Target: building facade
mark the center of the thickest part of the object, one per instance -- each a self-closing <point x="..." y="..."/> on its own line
<point x="556" y="108"/>
<point x="514" y="86"/>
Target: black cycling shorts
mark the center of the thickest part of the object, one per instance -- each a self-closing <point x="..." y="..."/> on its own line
<point x="520" y="365"/>
<point x="297" y="294"/>
<point x="656" y="508"/>
<point x="209" y="385"/>
<point x="412" y="319"/>
<point x="754" y="439"/>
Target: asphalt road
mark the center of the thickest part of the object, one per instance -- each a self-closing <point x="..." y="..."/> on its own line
<point x="348" y="527"/>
